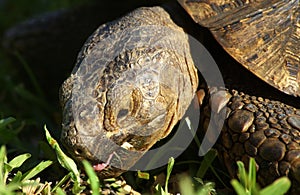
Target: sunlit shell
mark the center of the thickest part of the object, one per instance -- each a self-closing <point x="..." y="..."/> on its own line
<point x="263" y="35"/>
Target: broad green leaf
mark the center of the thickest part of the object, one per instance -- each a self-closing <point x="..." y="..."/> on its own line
<point x="18" y="161"/>
<point x="65" y="162"/>
<point x="63" y="159"/>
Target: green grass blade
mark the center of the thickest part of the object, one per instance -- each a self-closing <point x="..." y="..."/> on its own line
<point x="17" y="178"/>
<point x="9" y="188"/>
<point x="252" y="176"/>
<point x="239" y="188"/>
<point x="206" y="163"/>
<point x="242" y="173"/>
<point x="63" y="159"/>
<point x="18" y="161"/>
<point x="159" y="190"/>
<point x="59" y="191"/>
<point x="3" y="160"/>
<point x="209" y="158"/>
<point x="94" y="181"/>
<point x="61" y="182"/>
<point x="27" y="95"/>
<point x="36" y="170"/>
<point x="169" y="170"/>
<point x="66" y="162"/>
<point x="278" y="187"/>
<point x="31" y="75"/>
<point x="6" y="121"/>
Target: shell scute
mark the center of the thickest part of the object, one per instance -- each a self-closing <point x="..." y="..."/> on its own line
<point x="261" y="35"/>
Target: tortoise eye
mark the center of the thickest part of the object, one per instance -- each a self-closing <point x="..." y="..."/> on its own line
<point x="122" y="113"/>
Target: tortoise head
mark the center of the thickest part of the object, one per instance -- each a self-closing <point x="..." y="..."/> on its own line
<point x="127" y="91"/>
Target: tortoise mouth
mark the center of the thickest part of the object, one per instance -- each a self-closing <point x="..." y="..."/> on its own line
<point x="101" y="167"/>
<point x="104" y="169"/>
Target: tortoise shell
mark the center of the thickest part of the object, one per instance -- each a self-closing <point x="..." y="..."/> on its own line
<point x="262" y="35"/>
<point x="135" y="77"/>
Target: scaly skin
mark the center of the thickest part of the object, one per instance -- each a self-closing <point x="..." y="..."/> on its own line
<point x="123" y="83"/>
<point x="128" y="89"/>
<point x="264" y="129"/>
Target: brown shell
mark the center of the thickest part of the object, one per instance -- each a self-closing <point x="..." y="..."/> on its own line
<point x="263" y="35"/>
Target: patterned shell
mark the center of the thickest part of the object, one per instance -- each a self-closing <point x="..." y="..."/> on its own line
<point x="262" y="35"/>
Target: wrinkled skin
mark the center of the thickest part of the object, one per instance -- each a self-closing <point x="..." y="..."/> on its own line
<point x="254" y="127"/>
<point x="122" y="98"/>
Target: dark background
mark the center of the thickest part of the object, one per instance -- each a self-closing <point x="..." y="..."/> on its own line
<point x="39" y="44"/>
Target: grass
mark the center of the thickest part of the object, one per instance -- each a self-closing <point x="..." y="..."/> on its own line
<point x="247" y="182"/>
<point x="31" y="161"/>
<point x="14" y="181"/>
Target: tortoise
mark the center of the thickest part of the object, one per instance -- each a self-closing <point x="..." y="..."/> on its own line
<point x="135" y="78"/>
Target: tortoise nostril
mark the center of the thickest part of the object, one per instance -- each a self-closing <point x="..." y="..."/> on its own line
<point x="78" y="151"/>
